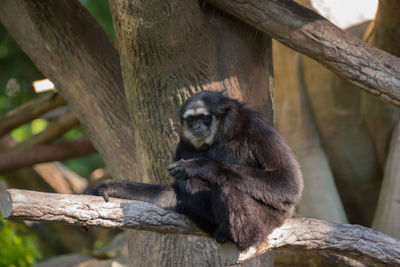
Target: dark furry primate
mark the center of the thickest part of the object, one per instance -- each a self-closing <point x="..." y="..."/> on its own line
<point x="235" y="175"/>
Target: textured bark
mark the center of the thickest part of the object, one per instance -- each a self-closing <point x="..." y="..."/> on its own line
<point x="373" y="70"/>
<point x="29" y="111"/>
<point x="165" y="59"/>
<point x="12" y="160"/>
<point x="169" y="50"/>
<point x="87" y="210"/>
<point x="70" y="47"/>
<point x="354" y="241"/>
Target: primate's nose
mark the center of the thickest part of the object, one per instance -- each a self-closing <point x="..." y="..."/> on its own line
<point x="199" y="129"/>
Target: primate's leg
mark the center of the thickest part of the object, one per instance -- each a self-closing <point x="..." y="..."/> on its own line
<point x="194" y="200"/>
<point x="191" y="197"/>
<point x="161" y="195"/>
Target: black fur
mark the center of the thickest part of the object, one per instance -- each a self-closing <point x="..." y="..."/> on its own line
<point x="240" y="187"/>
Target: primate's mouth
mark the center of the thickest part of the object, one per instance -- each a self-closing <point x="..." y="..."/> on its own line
<point x="202" y="135"/>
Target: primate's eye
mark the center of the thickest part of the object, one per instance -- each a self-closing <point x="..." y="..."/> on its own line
<point x="207" y="119"/>
<point x="189" y="120"/>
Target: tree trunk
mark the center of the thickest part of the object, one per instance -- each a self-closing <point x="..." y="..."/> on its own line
<point x="70" y="47"/>
<point x="169" y="50"/>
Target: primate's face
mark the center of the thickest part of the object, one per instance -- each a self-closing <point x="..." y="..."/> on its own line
<point x="199" y="125"/>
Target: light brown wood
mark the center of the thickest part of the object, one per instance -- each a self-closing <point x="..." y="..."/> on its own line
<point x="87" y="210"/>
<point x="354" y="241"/>
<point x="169" y="50"/>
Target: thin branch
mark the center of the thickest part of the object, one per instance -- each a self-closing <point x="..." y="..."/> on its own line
<point x="29" y="111"/>
<point x="353" y="241"/>
<point x="55" y="129"/>
<point x="61" y="179"/>
<point x="15" y="159"/>
<point x="373" y="70"/>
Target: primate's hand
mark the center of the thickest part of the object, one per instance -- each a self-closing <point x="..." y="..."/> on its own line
<point x="199" y="167"/>
<point x="178" y="170"/>
<point x="101" y="189"/>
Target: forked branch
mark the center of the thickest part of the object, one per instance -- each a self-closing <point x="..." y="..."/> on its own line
<point x="360" y="243"/>
<point x="303" y="30"/>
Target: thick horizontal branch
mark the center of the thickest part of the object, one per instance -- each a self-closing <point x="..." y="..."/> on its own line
<point x="353" y="241"/>
<point x="15" y="159"/>
<point x="86" y="210"/>
<point x="29" y="111"/>
<point x="303" y="30"/>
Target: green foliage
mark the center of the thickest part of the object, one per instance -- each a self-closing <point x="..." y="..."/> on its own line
<point x="16" y="247"/>
<point x="38" y="125"/>
<point x="29" y="129"/>
<point x="22" y="132"/>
